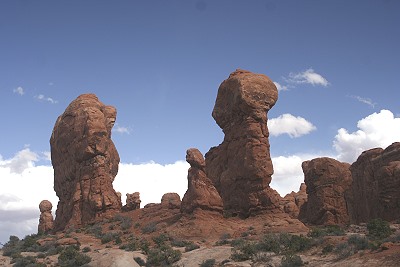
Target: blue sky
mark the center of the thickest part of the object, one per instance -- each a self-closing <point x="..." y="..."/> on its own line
<point x="160" y="64"/>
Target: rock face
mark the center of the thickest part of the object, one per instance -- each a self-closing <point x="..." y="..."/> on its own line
<point x="85" y="163"/>
<point x="132" y="202"/>
<point x="375" y="192"/>
<point x="240" y="167"/>
<point x="292" y="203"/>
<point x="201" y="193"/>
<point x="171" y="201"/>
<point x="327" y="182"/>
<point x="46" y="222"/>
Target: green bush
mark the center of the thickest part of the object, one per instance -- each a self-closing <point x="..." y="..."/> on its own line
<point x="291" y="260"/>
<point x="343" y="250"/>
<point x="162" y="256"/>
<point x="378" y="229"/>
<point x="208" y="263"/>
<point x="126" y="222"/>
<point x="358" y="242"/>
<point x="191" y="246"/>
<point x="149" y="228"/>
<point x="108" y="237"/>
<point x="28" y="261"/>
<point x="71" y="257"/>
<point x="330" y="230"/>
<point x="140" y="261"/>
<point x="86" y="249"/>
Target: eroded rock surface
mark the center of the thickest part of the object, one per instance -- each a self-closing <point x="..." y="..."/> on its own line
<point x="171" y="201"/>
<point x="375" y="192"/>
<point x="240" y="167"/>
<point x="294" y="201"/>
<point x="327" y="182"/>
<point x="46" y="222"/>
<point x="132" y="202"/>
<point x="201" y="193"/>
<point x="85" y="162"/>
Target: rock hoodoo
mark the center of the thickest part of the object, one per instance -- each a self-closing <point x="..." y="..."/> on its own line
<point x="375" y="192"/>
<point x="240" y="167"/>
<point x="327" y="182"/>
<point x="132" y="202"/>
<point x="46" y="222"/>
<point x="294" y="201"/>
<point x="85" y="162"/>
<point x="201" y="193"/>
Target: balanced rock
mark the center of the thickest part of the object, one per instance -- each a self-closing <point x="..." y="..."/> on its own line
<point x="375" y="192"/>
<point x="85" y="163"/>
<point x="132" y="202"/>
<point x="201" y="193"/>
<point x="171" y="201"/>
<point x="240" y="167"/>
<point x="46" y="222"/>
<point x="327" y="180"/>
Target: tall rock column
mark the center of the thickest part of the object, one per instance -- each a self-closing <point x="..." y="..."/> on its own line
<point x="85" y="162"/>
<point x="46" y="222"/>
<point x="240" y="167"/>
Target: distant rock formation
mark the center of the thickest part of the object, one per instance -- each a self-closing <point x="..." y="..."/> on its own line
<point x="327" y="181"/>
<point x="294" y="201"/>
<point x="240" y="167"/>
<point x="85" y="163"/>
<point x="201" y="193"/>
<point x="132" y="202"/>
<point x="171" y="201"/>
<point x="46" y="222"/>
<point x="375" y="192"/>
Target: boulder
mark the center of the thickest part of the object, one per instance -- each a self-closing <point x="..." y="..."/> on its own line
<point x="85" y="163"/>
<point x="171" y="201"/>
<point x="46" y="222"/>
<point x="375" y="192"/>
<point x="240" y="167"/>
<point x="327" y="182"/>
<point x="201" y="193"/>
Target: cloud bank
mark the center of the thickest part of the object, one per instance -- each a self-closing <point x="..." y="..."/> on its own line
<point x="291" y="125"/>
<point x="307" y="77"/>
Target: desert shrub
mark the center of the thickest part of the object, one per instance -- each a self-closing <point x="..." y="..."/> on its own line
<point x="298" y="243"/>
<point x="358" y="242"/>
<point x="160" y="239"/>
<point x="126" y="222"/>
<point x="29" y="243"/>
<point x="28" y="261"/>
<point x="140" y="261"/>
<point x="178" y="243"/>
<point x="95" y="230"/>
<point x="208" y="263"/>
<point x="330" y="230"/>
<point x="86" y="249"/>
<point x="343" y="250"/>
<point x="327" y="249"/>
<point x="162" y="256"/>
<point x="108" y="237"/>
<point x="71" y="257"/>
<point x="244" y="251"/>
<point x="291" y="260"/>
<point x="191" y="246"/>
<point x="378" y="229"/>
<point x="149" y="228"/>
<point x="54" y="250"/>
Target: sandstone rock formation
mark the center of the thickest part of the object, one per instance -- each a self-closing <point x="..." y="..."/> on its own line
<point x="132" y="202"/>
<point x="46" y="222"/>
<point x="327" y="181"/>
<point x="171" y="201"/>
<point x="240" y="167"/>
<point x="201" y="193"/>
<point x="293" y="202"/>
<point x="375" y="192"/>
<point x="85" y="163"/>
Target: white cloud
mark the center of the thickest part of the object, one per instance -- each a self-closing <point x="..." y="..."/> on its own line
<point x="367" y="101"/>
<point x="309" y="76"/>
<point x="152" y="180"/>
<point x="376" y="130"/>
<point x="291" y="125"/>
<point x="48" y="99"/>
<point x="19" y="90"/>
<point x="281" y="87"/>
<point x="23" y="160"/>
<point x="120" y="129"/>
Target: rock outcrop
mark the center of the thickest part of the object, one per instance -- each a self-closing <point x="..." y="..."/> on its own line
<point x="201" y="193"/>
<point x="46" y="222"/>
<point x="240" y="167"/>
<point x="293" y="202"/>
<point x="85" y="163"/>
<point x="375" y="192"/>
<point x="171" y="201"/>
<point x="132" y="202"/>
<point x="327" y="182"/>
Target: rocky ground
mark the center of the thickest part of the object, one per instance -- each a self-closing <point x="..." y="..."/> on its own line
<point x="164" y="236"/>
